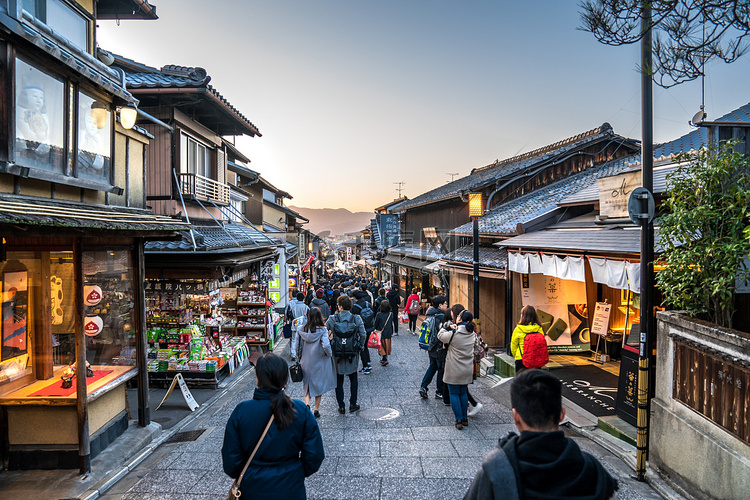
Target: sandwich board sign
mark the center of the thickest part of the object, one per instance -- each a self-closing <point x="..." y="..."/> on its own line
<point x="189" y="399"/>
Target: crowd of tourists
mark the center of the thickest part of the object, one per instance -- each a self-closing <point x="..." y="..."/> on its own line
<point x="331" y="328"/>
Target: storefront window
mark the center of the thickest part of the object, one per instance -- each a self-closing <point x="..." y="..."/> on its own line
<point x="62" y="290"/>
<point x="40" y="119"/>
<point x="109" y="307"/>
<point x="94" y="128"/>
<point x="17" y="277"/>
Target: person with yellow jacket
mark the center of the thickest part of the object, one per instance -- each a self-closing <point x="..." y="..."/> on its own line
<point x="529" y="323"/>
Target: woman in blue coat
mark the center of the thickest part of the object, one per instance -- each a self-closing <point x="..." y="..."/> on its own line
<point x="291" y="451"/>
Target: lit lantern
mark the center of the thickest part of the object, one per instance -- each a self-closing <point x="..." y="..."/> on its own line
<point x="128" y="115"/>
<point x="99" y="114"/>
<point x="476" y="205"/>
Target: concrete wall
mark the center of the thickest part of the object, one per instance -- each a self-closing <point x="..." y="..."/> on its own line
<point x="688" y="448"/>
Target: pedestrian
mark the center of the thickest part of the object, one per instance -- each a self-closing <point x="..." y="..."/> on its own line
<point x="315" y="359"/>
<point x="459" y="364"/>
<point x="394" y="297"/>
<point x="320" y="303"/>
<point x="541" y="462"/>
<point x="380" y="298"/>
<point x="384" y="325"/>
<point x="298" y="311"/>
<point x="370" y="298"/>
<point x="529" y="323"/>
<point x="347" y="334"/>
<point x="433" y="321"/>
<point x="362" y="309"/>
<point x="291" y="450"/>
<point x="455" y="311"/>
<point x="412" y="309"/>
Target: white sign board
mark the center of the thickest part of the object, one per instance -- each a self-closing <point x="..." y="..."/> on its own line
<point x="189" y="399"/>
<point x="600" y="323"/>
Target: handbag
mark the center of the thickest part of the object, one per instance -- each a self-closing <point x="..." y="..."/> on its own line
<point x="295" y="372"/>
<point x="374" y="341"/>
<point x="287" y="331"/>
<point x="234" y="491"/>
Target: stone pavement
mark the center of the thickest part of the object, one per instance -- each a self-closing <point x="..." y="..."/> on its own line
<point x="417" y="455"/>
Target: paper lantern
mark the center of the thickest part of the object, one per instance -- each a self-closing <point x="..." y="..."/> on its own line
<point x="92" y="295"/>
<point x="92" y="325"/>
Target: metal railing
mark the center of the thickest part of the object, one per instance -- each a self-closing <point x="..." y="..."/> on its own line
<point x="203" y="188"/>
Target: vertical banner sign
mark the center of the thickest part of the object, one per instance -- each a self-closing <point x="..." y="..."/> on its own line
<point x="274" y="285"/>
<point x="301" y="248"/>
<point x="348" y="254"/>
<point x="390" y="230"/>
<point x="189" y="399"/>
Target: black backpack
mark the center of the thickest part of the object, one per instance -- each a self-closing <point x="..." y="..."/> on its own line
<point x="367" y="315"/>
<point x="345" y="342"/>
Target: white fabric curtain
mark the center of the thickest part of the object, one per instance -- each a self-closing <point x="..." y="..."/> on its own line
<point x="535" y="263"/>
<point x="549" y="265"/>
<point x="561" y="263"/>
<point x="512" y="262"/>
<point x="523" y="263"/>
<point x="634" y="276"/>
<point x="574" y="269"/>
<point x="599" y="270"/>
<point x="618" y="278"/>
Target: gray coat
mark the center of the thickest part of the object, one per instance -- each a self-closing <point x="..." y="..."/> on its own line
<point x="323" y="306"/>
<point x="316" y="360"/>
<point x="459" y="363"/>
<point x="345" y="366"/>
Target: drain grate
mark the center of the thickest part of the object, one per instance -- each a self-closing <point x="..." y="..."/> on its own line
<point x="185" y="436"/>
<point x="378" y="413"/>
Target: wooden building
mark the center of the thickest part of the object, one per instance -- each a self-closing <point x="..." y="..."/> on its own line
<point x="73" y="221"/>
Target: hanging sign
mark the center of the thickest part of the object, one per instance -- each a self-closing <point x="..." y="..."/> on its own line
<point x="614" y="193"/>
<point x="93" y="325"/>
<point x="189" y="399"/>
<point x="92" y="295"/>
<point x="600" y="323"/>
<point x="176" y="286"/>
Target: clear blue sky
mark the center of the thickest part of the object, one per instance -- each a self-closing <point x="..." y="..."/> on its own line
<point x="352" y="96"/>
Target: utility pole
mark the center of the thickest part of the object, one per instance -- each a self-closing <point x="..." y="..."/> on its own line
<point x="400" y="187"/>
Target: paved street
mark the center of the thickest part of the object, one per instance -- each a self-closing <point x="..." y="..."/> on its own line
<point x="417" y="455"/>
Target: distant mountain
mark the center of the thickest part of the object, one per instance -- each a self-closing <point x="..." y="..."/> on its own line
<point x="336" y="220"/>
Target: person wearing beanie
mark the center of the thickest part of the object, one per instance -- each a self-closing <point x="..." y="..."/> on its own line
<point x="320" y="302"/>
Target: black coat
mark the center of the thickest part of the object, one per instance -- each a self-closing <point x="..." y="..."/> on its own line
<point x="395" y="299"/>
<point x="285" y="457"/>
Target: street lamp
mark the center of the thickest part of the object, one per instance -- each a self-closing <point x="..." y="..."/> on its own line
<point x="476" y="210"/>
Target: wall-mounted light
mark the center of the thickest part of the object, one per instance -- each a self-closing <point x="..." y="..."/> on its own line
<point x="128" y="115"/>
<point x="309" y="247"/>
<point x="99" y="113"/>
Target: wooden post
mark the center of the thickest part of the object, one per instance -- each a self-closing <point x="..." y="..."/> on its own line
<point x="42" y="320"/>
<point x="84" y="445"/>
<point x="144" y="410"/>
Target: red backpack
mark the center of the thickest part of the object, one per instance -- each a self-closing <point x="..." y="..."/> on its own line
<point x="534" y="353"/>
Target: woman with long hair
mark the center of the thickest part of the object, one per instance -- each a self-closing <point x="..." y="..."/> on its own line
<point x="315" y="358"/>
<point x="459" y="364"/>
<point x="291" y="451"/>
<point x="384" y="325"/>
<point x="529" y="323"/>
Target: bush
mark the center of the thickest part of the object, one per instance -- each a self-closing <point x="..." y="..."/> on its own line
<point x="702" y="234"/>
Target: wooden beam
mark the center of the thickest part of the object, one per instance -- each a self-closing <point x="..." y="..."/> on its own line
<point x="84" y="443"/>
<point x="42" y="356"/>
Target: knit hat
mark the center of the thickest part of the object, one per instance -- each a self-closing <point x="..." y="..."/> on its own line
<point x="319" y="293"/>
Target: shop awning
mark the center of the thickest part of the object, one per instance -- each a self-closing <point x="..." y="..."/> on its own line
<point x="617" y="239"/>
<point x="415" y="264"/>
<point x="227" y="238"/>
<point x="372" y="262"/>
<point x="51" y="213"/>
<point x="434" y="267"/>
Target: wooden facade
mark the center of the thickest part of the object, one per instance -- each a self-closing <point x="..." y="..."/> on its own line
<point x="491" y="303"/>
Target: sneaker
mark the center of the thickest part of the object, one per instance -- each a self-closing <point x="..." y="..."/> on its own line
<point x="447" y="403"/>
<point x="342" y="409"/>
<point x="367" y="370"/>
<point x="294" y="358"/>
<point x="316" y="413"/>
<point x="423" y="392"/>
<point x="353" y="407"/>
<point x="465" y="422"/>
<point x="395" y="333"/>
<point x="384" y="361"/>
<point x="475" y="410"/>
<point x="438" y="395"/>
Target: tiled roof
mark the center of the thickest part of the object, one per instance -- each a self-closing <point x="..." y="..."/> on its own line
<point x="489" y="174"/>
<point x="140" y="76"/>
<point x="488" y="256"/>
<point x="229" y="238"/>
<point x="503" y="219"/>
<point x="416" y="251"/>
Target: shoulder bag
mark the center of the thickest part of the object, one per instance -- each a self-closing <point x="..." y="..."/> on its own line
<point x="234" y="491"/>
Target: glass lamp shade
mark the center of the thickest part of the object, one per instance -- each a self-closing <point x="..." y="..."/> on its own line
<point x="476" y="208"/>
<point x="99" y="114"/>
<point x="128" y="115"/>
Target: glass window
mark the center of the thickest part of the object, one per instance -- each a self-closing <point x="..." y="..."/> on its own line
<point x="194" y="156"/>
<point x="109" y="306"/>
<point x="16" y="286"/>
<point x="94" y="135"/>
<point x="40" y="119"/>
<point x="62" y="18"/>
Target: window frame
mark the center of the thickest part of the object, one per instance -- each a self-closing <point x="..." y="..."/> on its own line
<point x="85" y="16"/>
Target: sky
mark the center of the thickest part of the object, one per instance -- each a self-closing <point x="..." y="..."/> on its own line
<point x="353" y="97"/>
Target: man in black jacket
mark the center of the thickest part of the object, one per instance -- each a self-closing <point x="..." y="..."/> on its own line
<point x="363" y="309"/>
<point x="541" y="462"/>
<point x="394" y="298"/>
<point x="433" y="321"/>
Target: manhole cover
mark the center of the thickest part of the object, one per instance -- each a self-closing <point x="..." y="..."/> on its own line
<point x="161" y="420"/>
<point x="182" y="437"/>
<point x="378" y="413"/>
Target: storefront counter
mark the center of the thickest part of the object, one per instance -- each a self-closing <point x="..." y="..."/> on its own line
<point x="42" y="430"/>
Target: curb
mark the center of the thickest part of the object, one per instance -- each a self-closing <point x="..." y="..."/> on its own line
<point x="111" y="479"/>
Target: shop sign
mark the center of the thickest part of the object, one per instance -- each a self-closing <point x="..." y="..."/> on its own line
<point x="390" y="230"/>
<point x="348" y="254"/>
<point x="189" y="399"/>
<point x="600" y="323"/>
<point x="92" y="295"/>
<point x="301" y="247"/>
<point x="176" y="286"/>
<point x="614" y="193"/>
<point x="293" y="282"/>
<point x="93" y="325"/>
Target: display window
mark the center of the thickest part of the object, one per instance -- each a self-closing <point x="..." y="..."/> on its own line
<point x="16" y="282"/>
<point x="94" y="138"/>
<point x="40" y="119"/>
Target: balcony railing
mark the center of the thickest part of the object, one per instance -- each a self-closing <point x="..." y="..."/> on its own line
<point x="203" y="188"/>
